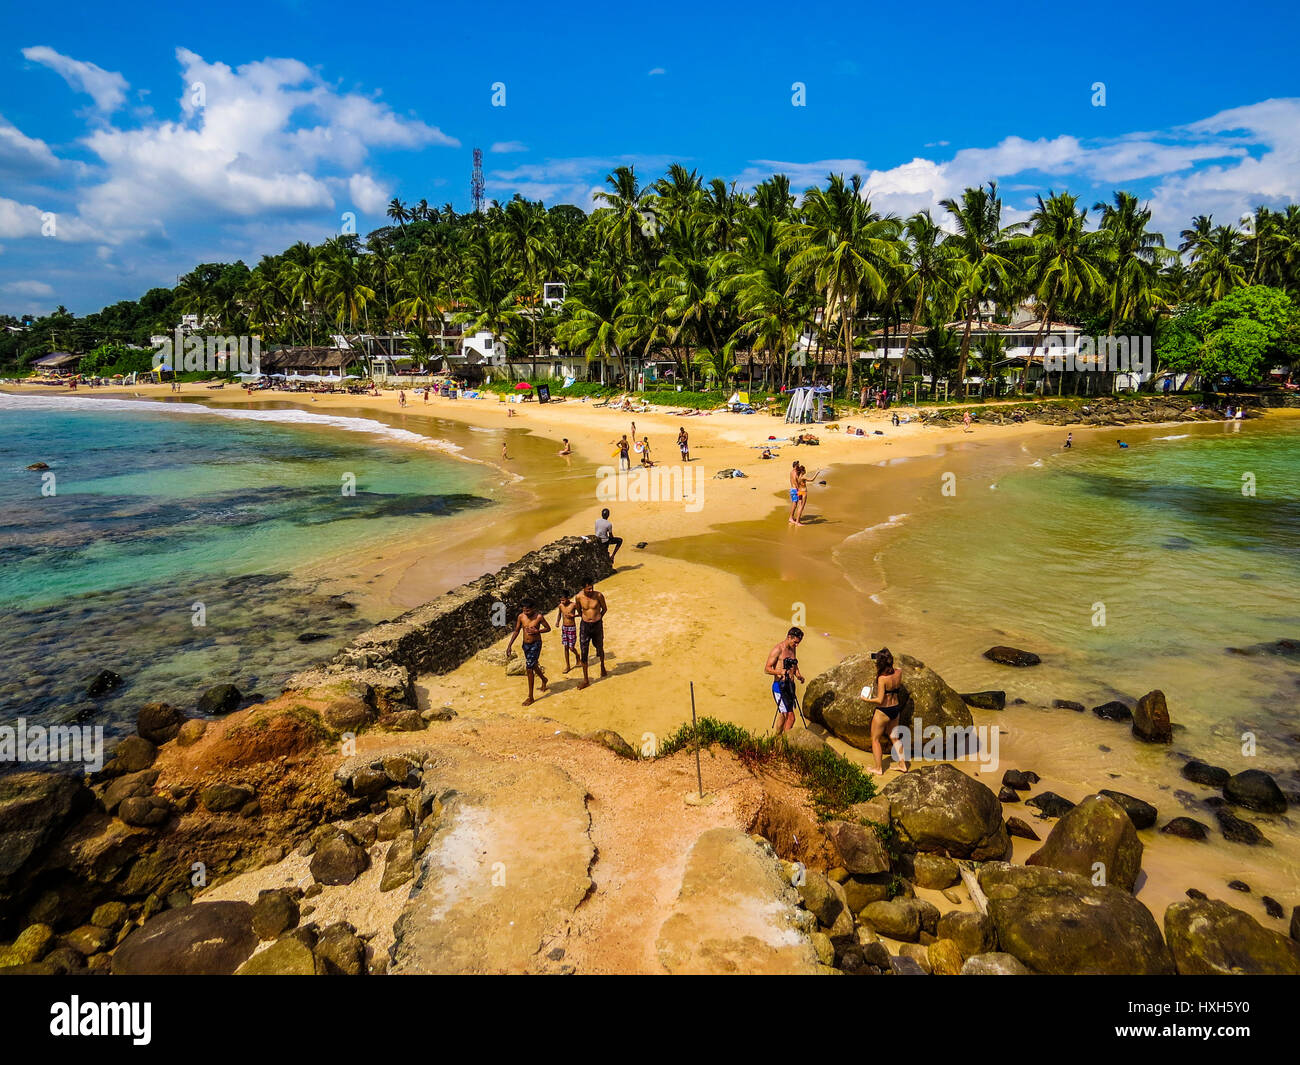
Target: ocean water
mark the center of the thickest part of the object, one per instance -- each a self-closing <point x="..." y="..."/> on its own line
<point x="1172" y="564"/>
<point x="163" y="542"/>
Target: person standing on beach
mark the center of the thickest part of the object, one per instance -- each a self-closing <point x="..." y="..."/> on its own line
<point x="783" y="665"/>
<point x="566" y="617"/>
<point x="645" y="452"/>
<point x="794" y="489"/>
<point x="801" y="493"/>
<point x="624" y="462"/>
<point x="1069" y="441"/>
<point x="426" y="393"/>
<point x="605" y="534"/>
<point x="889" y="681"/>
<point x="401" y="397"/>
<point x="965" y="422"/>
<point x="591" y="628"/>
<point x="532" y="623"/>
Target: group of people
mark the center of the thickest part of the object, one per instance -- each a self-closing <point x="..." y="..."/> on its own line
<point x="798" y="491"/>
<point x="887" y="693"/>
<point x="642" y="447"/>
<point x="581" y="621"/>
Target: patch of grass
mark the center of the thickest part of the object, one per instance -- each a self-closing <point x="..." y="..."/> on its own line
<point x="834" y="782"/>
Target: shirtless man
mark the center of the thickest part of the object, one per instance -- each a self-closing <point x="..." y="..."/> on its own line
<point x="591" y="630"/>
<point x="783" y="665"/>
<point x="684" y="443"/>
<point x="566" y="618"/>
<point x="794" y="489"/>
<point x="566" y="450"/>
<point x="532" y="623"/>
<point x="623" y="446"/>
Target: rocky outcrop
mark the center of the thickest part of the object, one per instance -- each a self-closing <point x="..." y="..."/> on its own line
<point x="1061" y="923"/>
<point x="1208" y="937"/>
<point x="204" y="939"/>
<point x="735" y="913"/>
<point x="834" y="699"/>
<point x="1096" y="840"/>
<point x="1151" y="719"/>
<point x="938" y="808"/>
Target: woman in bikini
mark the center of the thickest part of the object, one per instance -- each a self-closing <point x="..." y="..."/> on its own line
<point x="889" y="679"/>
<point x="801" y="490"/>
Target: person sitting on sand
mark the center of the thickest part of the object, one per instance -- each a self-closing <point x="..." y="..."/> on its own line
<point x="566" y="617"/>
<point x="889" y="681"/>
<point x="783" y="665"/>
<point x="895" y="419"/>
<point x="605" y="534"/>
<point x="591" y="628"/>
<point x="566" y="449"/>
<point x="532" y="623"/>
<point x="767" y="453"/>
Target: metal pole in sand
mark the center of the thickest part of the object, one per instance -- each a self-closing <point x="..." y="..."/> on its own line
<point x="696" y="798"/>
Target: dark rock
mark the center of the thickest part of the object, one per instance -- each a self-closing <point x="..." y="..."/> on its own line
<point x="339" y="952"/>
<point x="1186" y="828"/>
<point x="220" y="798"/>
<point x="1095" y="833"/>
<point x="191" y="732"/>
<point x="990" y="700"/>
<point x="1239" y="885"/>
<point x="859" y="848"/>
<point x="1194" y="893"/>
<point x="1201" y="773"/>
<point x="972" y="932"/>
<point x="286" y="957"/>
<point x="205" y="939"/>
<point x="895" y="918"/>
<point x="158" y="722"/>
<point x="1209" y="937"/>
<point x="312" y="637"/>
<point x="934" y="871"/>
<point x="401" y="721"/>
<point x="820" y="898"/>
<point x="1017" y="827"/>
<point x="1113" y="711"/>
<point x="128" y="786"/>
<point x="1151" y="719"/>
<point x="1068" y="704"/>
<point x="1008" y="795"/>
<point x="1271" y="906"/>
<point x="1061" y="923"/>
<point x="221" y="699"/>
<point x="147" y="811"/>
<point x="1235" y="830"/>
<point x="1011" y="656"/>
<point x="1049" y="804"/>
<point x="940" y="809"/>
<point x="1255" y="790"/>
<point x="1014" y="778"/>
<point x="274" y="912"/>
<point x="102" y="683"/>
<point x="609" y="738"/>
<point x="1295" y="923"/>
<point x="399" y="862"/>
<point x="1142" y="814"/>
<point x="132" y="755"/>
<point x="338" y="860"/>
<point x="34" y="807"/>
<point x="902" y="965"/>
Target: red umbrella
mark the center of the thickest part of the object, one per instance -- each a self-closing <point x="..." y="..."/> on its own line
<point x="523" y="386"/>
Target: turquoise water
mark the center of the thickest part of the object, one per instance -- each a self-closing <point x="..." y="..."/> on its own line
<point x="1126" y="569"/>
<point x="150" y="510"/>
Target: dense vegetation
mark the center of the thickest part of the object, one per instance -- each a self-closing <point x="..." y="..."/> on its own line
<point x="719" y="280"/>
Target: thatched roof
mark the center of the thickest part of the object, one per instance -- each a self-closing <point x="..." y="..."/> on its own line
<point x="303" y="358"/>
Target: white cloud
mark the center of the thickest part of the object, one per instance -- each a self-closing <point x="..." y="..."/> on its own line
<point x="367" y="194"/>
<point x="27" y="288"/>
<point x="504" y="147"/>
<point x="107" y="88"/>
<point x="22" y="154"/>
<point x="655" y="72"/>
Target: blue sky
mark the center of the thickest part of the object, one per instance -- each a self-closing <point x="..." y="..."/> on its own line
<point x="117" y="173"/>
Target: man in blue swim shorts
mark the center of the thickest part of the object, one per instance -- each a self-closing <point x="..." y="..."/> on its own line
<point x="783" y="667"/>
<point x="532" y="623"/>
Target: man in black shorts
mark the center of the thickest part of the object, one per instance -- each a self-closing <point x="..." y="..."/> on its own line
<point x="605" y="533"/>
<point x="591" y="628"/>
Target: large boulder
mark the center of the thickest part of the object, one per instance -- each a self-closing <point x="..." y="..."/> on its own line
<point x="1062" y="924"/>
<point x="1209" y="937"/>
<point x="1095" y="837"/>
<point x="203" y="939"/>
<point x="834" y="699"/>
<point x="1151" y="719"/>
<point x="1255" y="790"/>
<point x="939" y="809"/>
<point x="1011" y="656"/>
<point x="33" y="808"/>
<point x="159" y="722"/>
<point x="859" y="847"/>
<point x="221" y="699"/>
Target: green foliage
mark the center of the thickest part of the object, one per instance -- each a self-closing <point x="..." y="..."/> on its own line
<point x="834" y="782"/>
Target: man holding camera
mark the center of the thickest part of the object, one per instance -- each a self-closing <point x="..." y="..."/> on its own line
<point x="783" y="666"/>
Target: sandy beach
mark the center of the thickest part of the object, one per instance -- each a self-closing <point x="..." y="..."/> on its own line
<point x="722" y="575"/>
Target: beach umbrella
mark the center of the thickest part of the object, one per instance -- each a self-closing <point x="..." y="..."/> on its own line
<point x="523" y="386"/>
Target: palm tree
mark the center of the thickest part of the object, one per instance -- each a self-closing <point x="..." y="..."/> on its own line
<point x="928" y="268"/>
<point x="846" y="249"/>
<point x="398" y="212"/>
<point x="591" y="313"/>
<point x="1215" y="253"/>
<point x="983" y="246"/>
<point x="1133" y="257"/>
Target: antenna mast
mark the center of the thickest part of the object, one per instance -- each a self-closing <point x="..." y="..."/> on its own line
<point x="476" y="183"/>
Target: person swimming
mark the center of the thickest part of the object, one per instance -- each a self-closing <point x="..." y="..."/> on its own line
<point x="1121" y="443"/>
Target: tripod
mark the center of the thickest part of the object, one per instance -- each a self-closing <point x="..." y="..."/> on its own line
<point x="798" y="709"/>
